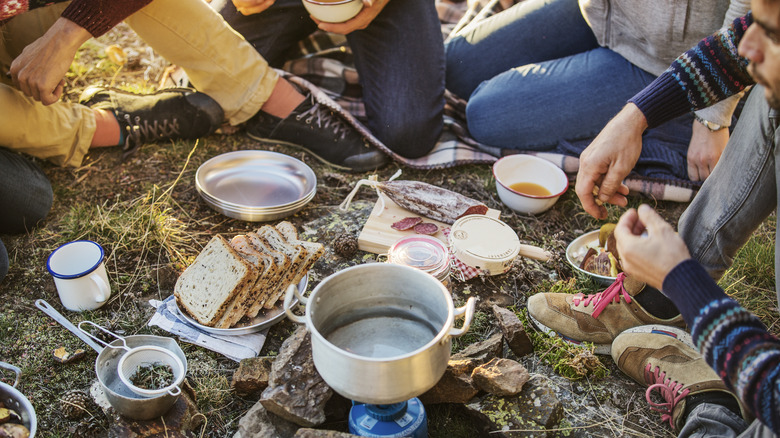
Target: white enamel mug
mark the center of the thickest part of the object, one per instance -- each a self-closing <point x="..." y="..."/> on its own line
<point x="80" y="275"/>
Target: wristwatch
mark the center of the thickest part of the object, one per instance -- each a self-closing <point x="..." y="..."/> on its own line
<point x="709" y="125"/>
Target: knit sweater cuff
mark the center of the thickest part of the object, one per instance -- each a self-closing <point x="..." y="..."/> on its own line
<point x="662" y="100"/>
<point x="90" y="16"/>
<point x="690" y="288"/>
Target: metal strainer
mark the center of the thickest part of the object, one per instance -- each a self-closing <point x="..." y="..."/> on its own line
<point x="142" y="356"/>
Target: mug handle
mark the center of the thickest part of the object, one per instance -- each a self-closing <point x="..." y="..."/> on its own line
<point x="288" y="296"/>
<point x="467" y="312"/>
<point x="103" y="290"/>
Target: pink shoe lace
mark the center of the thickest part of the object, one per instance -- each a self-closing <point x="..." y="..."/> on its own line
<point x="671" y="391"/>
<point x="602" y="299"/>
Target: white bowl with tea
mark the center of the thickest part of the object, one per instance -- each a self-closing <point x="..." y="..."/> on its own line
<point x="333" y="11"/>
<point x="529" y="184"/>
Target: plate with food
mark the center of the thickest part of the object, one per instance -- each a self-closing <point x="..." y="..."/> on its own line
<point x="264" y="319"/>
<point x="595" y="254"/>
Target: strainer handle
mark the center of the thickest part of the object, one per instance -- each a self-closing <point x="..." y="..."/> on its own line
<point x="467" y="312"/>
<point x="16" y="370"/>
<point x="176" y="390"/>
<point x="100" y="341"/>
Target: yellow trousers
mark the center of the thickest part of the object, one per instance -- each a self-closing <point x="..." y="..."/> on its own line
<point x="188" y="33"/>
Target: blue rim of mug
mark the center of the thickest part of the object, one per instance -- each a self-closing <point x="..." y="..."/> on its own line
<point x="80" y="274"/>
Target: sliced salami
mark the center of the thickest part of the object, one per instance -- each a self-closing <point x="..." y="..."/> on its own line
<point x="426" y="228"/>
<point x="406" y="223"/>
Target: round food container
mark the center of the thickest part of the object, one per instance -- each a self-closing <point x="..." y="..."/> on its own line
<point x="425" y="253"/>
<point x="484" y="243"/>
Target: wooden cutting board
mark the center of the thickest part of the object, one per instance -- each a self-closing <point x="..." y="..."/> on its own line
<point x="377" y="235"/>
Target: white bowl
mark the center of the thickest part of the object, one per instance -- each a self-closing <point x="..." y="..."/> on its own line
<point x="333" y="11"/>
<point x="521" y="168"/>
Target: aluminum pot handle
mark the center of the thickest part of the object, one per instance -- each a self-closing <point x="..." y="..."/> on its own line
<point x="16" y="370"/>
<point x="467" y="312"/>
<point x="288" y="297"/>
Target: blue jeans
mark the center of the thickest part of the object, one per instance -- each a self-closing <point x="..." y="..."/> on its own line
<point x="399" y="58"/>
<point x="25" y="198"/>
<point x="535" y="77"/>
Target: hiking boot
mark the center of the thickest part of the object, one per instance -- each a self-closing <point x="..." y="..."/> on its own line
<point x="170" y="113"/>
<point x="320" y="131"/>
<point x="597" y="318"/>
<point x="672" y="368"/>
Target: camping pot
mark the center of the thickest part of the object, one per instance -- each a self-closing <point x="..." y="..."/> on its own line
<point x="13" y="399"/>
<point x="121" y="398"/>
<point x="380" y="333"/>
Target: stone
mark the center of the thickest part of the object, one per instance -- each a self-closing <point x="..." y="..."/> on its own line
<point x="514" y="333"/>
<point x="455" y="385"/>
<point x="252" y="375"/>
<point x="528" y="414"/>
<point x="182" y="419"/>
<point x="321" y="433"/>
<point x="483" y="351"/>
<point x="500" y="376"/>
<point x="296" y="391"/>
<point x="259" y="423"/>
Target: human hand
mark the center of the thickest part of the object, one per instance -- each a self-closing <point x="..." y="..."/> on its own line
<point x="249" y="7"/>
<point x="649" y="257"/>
<point x="608" y="160"/>
<point x="371" y="8"/>
<point x="39" y="70"/>
<point x="705" y="150"/>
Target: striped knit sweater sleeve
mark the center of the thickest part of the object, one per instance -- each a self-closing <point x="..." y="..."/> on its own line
<point x="96" y="16"/>
<point x="704" y="75"/>
<point x="732" y="340"/>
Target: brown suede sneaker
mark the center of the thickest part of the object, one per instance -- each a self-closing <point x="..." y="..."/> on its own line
<point x="668" y="365"/>
<point x="597" y="318"/>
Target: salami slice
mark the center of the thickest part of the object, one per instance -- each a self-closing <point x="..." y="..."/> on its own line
<point x="431" y="201"/>
<point x="406" y="223"/>
<point x="426" y="228"/>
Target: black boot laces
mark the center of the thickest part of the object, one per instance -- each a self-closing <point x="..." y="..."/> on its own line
<point x="325" y="119"/>
<point x="142" y="131"/>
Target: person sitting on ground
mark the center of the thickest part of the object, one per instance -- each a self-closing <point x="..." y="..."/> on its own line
<point x="734" y="201"/>
<point x="547" y="75"/>
<point x="37" y="47"/>
<point x="398" y="53"/>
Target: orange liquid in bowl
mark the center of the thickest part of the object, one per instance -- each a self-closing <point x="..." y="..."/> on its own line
<point x="529" y="188"/>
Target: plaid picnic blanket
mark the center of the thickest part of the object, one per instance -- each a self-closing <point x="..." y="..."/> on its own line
<point x="324" y="65"/>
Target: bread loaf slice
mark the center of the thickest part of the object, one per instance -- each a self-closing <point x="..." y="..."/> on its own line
<point x="262" y="263"/>
<point x="297" y="254"/>
<point x="280" y="266"/>
<point x="314" y="250"/>
<point x="209" y="286"/>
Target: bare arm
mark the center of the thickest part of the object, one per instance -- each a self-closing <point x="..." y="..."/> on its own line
<point x="609" y="159"/>
<point x="39" y="70"/>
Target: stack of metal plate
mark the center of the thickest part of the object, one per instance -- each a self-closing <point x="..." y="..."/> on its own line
<point x="256" y="186"/>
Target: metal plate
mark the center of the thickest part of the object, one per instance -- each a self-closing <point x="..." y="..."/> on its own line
<point x="266" y="318"/>
<point x="576" y="251"/>
<point x="255" y="180"/>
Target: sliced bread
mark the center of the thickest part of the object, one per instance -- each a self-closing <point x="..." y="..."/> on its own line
<point x="208" y="287"/>
<point x="261" y="263"/>
<point x="281" y="265"/>
<point x="297" y="255"/>
<point x="314" y="250"/>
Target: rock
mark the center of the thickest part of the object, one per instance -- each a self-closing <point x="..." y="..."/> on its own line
<point x="455" y="386"/>
<point x="500" y="376"/>
<point x="252" y="375"/>
<point x="527" y="414"/>
<point x="179" y="421"/>
<point x="317" y="433"/>
<point x="296" y="391"/>
<point x="483" y="351"/>
<point x="259" y="423"/>
<point x="514" y="332"/>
